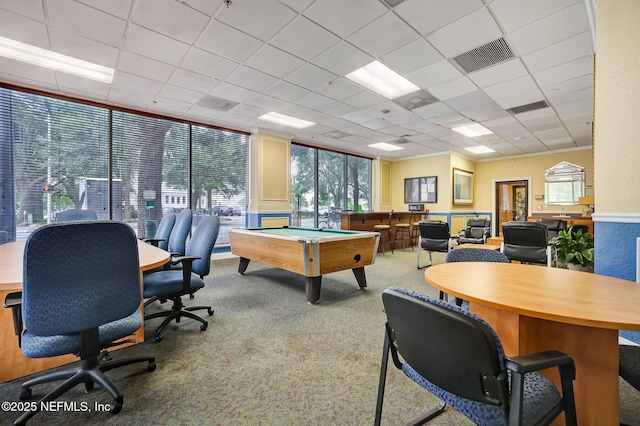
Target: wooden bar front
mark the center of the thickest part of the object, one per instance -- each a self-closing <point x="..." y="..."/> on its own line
<point x="365" y="221"/>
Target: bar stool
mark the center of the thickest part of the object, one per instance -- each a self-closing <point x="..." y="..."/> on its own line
<point x="385" y="230"/>
<point x="403" y="233"/>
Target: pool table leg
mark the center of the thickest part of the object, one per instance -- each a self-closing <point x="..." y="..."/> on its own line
<point x="313" y="289"/>
<point x="242" y="266"/>
<point x="359" y="273"/>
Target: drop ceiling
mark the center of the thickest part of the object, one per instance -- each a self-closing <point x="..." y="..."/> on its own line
<point x="226" y="65"/>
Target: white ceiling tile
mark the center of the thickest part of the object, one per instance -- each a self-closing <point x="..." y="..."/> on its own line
<point x="383" y="35"/>
<point x="514" y="14"/>
<point x="202" y="112"/>
<point x="453" y="88"/>
<point x="499" y="73"/>
<point x="206" y="63"/>
<point x="566" y="71"/>
<point x="433" y="110"/>
<point x="342" y="59"/>
<point x="171" y="18"/>
<point x="314" y="101"/>
<point x="567" y="50"/>
<point x="180" y="94"/>
<point x="338" y="123"/>
<point x="22" y="29"/>
<point x="193" y="81"/>
<point x="285" y="91"/>
<point x="552" y="29"/>
<point x="511" y="87"/>
<point x="83" y="48"/>
<point x="428" y="16"/>
<point x="153" y="45"/>
<point x="340" y="89"/>
<point x="251" y="79"/>
<point x="412" y="57"/>
<point x="84" y="85"/>
<point x="169" y="106"/>
<point x="125" y="81"/>
<point x="364" y="99"/>
<point x="470" y="31"/>
<point x="268" y="103"/>
<point x="274" y="61"/>
<point x="297" y="5"/>
<point x="207" y="7"/>
<point x="87" y="21"/>
<point x="377" y="124"/>
<point x="26" y="72"/>
<point x="261" y="19"/>
<point x="338" y="109"/>
<point x="248" y="111"/>
<point x="228" y="42"/>
<point x="435" y="74"/>
<point x="145" y="67"/>
<point x="358" y="116"/>
<point x="304" y="39"/>
<point x="310" y="77"/>
<point x="31" y="9"/>
<point x="233" y="93"/>
<point x="345" y="17"/>
<point x="518" y="99"/>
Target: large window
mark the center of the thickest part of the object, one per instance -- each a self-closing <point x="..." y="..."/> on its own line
<point x="324" y="183"/>
<point x="56" y="154"/>
<point x="564" y="184"/>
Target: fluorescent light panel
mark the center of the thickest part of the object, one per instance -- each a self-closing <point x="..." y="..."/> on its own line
<point x="480" y="149"/>
<point x="286" y="120"/>
<point x="472" y="130"/>
<point x="385" y="146"/>
<point x="382" y="80"/>
<point x="55" y="61"/>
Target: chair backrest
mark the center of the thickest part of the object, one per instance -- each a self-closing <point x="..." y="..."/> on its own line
<point x="554" y="226"/>
<point x="525" y="241"/>
<point x="164" y="230"/>
<point x="478" y="228"/>
<point x="76" y="215"/>
<point x="434" y="236"/>
<point x="423" y="328"/>
<point x="180" y="231"/>
<point x="202" y="242"/>
<point x="475" y="255"/>
<point x="79" y="276"/>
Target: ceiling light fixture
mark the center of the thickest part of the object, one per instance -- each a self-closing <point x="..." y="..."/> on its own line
<point x="480" y="149"/>
<point x="55" y="61"/>
<point x="385" y="146"/>
<point x="286" y="120"/>
<point x="382" y="80"/>
<point x="472" y="130"/>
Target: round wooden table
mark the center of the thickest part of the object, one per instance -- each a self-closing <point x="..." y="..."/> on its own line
<point x="14" y="364"/>
<point x="536" y="308"/>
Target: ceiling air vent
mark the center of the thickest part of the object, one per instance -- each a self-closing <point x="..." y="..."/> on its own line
<point x="416" y="100"/>
<point x="216" y="103"/>
<point x="392" y="3"/>
<point x="336" y="134"/>
<point x="528" y="107"/>
<point x="484" y="56"/>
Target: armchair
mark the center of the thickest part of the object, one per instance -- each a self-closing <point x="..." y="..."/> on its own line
<point x="477" y="231"/>
<point x="471" y="372"/>
<point x="435" y="236"/>
<point x="554" y="226"/>
<point x="527" y="242"/>
<point x="173" y="284"/>
<point x="80" y="303"/>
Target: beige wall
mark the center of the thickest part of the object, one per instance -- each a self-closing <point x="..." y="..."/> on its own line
<point x="617" y="111"/>
<point x="427" y="166"/>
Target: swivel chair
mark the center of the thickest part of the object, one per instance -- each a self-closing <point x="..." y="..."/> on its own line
<point x="527" y="242"/>
<point x="161" y="238"/>
<point x="470" y="373"/>
<point x="180" y="232"/>
<point x="435" y="236"/>
<point x="76" y="215"/>
<point x="477" y="231"/>
<point x="81" y="295"/>
<point x="173" y="284"/>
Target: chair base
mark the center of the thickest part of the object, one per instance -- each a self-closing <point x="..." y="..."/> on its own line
<point x="178" y="311"/>
<point x="91" y="372"/>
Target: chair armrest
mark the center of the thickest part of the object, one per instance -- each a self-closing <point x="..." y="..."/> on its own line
<point x="539" y="361"/>
<point x="187" y="262"/>
<point x="14" y="301"/>
<point x="153" y="241"/>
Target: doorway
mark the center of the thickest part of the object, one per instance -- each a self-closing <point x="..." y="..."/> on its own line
<point x="512" y="202"/>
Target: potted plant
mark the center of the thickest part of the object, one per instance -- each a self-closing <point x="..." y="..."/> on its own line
<point x="574" y="250"/>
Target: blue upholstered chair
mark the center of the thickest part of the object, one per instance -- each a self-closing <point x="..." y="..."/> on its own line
<point x="180" y="232"/>
<point x="470" y="373"/>
<point x="81" y="293"/>
<point x="76" y="215"/>
<point x="173" y="284"/>
<point x="161" y="238"/>
<point x="473" y="255"/>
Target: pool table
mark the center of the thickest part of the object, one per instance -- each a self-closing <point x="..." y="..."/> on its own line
<point x="306" y="251"/>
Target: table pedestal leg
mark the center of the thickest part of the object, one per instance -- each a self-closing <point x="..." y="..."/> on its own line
<point x="313" y="289"/>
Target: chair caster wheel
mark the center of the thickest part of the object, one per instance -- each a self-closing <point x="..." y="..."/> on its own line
<point x="210" y="311"/>
<point x="204" y="326"/>
<point x="158" y="338"/>
<point x="151" y="366"/>
<point x="116" y="406"/>
<point x="25" y="394"/>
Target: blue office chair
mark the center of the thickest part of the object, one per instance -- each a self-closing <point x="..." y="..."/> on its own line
<point x="161" y="238"/>
<point x="472" y="255"/>
<point x="173" y="284"/>
<point x="470" y="372"/>
<point x="76" y="215"/>
<point x="180" y="232"/>
<point x="81" y="294"/>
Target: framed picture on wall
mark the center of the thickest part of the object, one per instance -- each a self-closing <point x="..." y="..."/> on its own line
<point x="421" y="190"/>
<point x="462" y="187"/>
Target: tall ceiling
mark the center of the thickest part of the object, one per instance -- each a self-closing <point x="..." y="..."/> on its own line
<point x="529" y="77"/>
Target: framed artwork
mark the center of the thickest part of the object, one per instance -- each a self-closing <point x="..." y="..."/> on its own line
<point x="462" y="187"/>
<point x="421" y="190"/>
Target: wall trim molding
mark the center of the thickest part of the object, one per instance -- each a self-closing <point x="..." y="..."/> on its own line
<point x="616" y="217"/>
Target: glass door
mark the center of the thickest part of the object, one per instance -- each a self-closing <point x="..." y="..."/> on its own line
<point x="511" y="202"/>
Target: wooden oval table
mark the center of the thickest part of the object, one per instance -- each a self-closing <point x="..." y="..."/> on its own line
<point x="14" y="364"/>
<point x="536" y="308"/>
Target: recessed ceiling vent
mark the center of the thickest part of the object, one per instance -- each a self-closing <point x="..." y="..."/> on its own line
<point x="484" y="56"/>
<point x="416" y="100"/>
<point x="336" y="134"/>
<point x="528" y="107"/>
<point x="401" y="141"/>
<point x="216" y="103"/>
<point x="392" y="3"/>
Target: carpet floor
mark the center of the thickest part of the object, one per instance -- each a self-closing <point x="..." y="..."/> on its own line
<point x="269" y="358"/>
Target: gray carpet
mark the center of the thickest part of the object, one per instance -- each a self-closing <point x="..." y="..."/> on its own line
<point x="269" y="358"/>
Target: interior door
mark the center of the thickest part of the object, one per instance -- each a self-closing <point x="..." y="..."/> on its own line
<point x="511" y="202"/>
